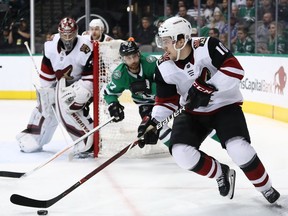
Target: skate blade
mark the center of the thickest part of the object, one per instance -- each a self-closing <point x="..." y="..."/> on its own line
<point x="232" y="179"/>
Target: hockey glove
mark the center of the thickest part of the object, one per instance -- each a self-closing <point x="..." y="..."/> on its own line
<point x="116" y="110"/>
<point x="147" y="132"/>
<point x="200" y="94"/>
<point x="141" y="87"/>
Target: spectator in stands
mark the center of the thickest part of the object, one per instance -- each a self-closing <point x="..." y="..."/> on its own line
<point x="218" y="21"/>
<point x="224" y="8"/>
<point x="193" y="11"/>
<point x="262" y="32"/>
<point x="240" y="3"/>
<point x="117" y="32"/>
<point x="19" y="33"/>
<point x="4" y="44"/>
<point x="182" y="12"/>
<point x="266" y="6"/>
<point x="169" y="13"/>
<point x="283" y="11"/>
<point x="233" y="30"/>
<point x="234" y="10"/>
<point x="275" y="34"/>
<point x="204" y="29"/>
<point x="209" y="9"/>
<point x="214" y="32"/>
<point x="224" y="39"/>
<point x="48" y="36"/>
<point x="244" y="43"/>
<point x="247" y="13"/>
<point x="145" y="33"/>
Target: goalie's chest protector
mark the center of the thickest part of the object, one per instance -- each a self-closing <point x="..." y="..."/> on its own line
<point x="77" y="58"/>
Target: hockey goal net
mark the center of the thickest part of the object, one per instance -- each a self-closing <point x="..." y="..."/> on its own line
<point x="115" y="136"/>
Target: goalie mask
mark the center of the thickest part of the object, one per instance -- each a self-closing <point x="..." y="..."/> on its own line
<point x="68" y="31"/>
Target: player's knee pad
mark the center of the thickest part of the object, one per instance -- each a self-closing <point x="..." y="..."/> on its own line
<point x="240" y="151"/>
<point x="185" y="156"/>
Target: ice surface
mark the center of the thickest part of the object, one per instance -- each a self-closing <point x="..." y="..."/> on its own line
<point x="147" y="186"/>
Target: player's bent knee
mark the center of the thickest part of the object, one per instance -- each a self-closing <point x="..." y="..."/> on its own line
<point x="27" y="143"/>
<point x="240" y="151"/>
<point x="185" y="156"/>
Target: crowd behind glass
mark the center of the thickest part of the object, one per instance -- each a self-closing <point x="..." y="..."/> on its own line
<point x="249" y="26"/>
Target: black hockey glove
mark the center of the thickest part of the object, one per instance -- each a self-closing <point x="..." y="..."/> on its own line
<point x="116" y="110"/>
<point x="200" y="94"/>
<point x="148" y="137"/>
<point x="141" y="87"/>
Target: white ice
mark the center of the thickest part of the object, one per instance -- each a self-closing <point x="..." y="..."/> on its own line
<point x="148" y="186"/>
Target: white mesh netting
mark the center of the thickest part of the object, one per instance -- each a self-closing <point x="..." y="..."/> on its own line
<point x="115" y="136"/>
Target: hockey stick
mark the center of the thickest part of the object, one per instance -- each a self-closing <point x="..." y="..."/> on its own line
<point x="30" y="53"/>
<point x="29" y="202"/>
<point x="23" y="174"/>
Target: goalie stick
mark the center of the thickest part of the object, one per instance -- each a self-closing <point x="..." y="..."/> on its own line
<point x="29" y="202"/>
<point x="23" y="174"/>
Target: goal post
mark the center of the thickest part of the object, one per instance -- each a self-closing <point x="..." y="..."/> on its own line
<point x="114" y="136"/>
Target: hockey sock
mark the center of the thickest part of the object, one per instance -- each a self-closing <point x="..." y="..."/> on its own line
<point x="256" y="173"/>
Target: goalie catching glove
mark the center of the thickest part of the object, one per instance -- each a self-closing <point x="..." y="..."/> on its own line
<point x="147" y="132"/>
<point x="140" y="87"/>
<point x="116" y="110"/>
<point x="200" y="94"/>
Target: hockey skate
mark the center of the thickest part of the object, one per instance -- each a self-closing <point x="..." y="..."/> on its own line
<point x="226" y="182"/>
<point x="271" y="195"/>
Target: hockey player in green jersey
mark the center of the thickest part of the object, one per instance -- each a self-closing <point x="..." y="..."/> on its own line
<point x="136" y="74"/>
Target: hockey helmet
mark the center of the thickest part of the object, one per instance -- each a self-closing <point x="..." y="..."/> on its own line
<point x="173" y="27"/>
<point x="68" y="30"/>
<point x="96" y="23"/>
<point x="128" y="48"/>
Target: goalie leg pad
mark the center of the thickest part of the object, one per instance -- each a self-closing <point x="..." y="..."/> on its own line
<point x="46" y="99"/>
<point x="38" y="132"/>
<point x="76" y="123"/>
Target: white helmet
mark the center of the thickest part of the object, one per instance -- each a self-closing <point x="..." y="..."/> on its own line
<point x="173" y="27"/>
<point x="96" y="23"/>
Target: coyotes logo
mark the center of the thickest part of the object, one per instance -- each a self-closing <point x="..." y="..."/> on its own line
<point x="163" y="58"/>
<point x="66" y="73"/>
<point x="199" y="42"/>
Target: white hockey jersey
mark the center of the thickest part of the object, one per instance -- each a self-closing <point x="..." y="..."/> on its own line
<point x="74" y="65"/>
<point x="208" y="59"/>
<point x="104" y="37"/>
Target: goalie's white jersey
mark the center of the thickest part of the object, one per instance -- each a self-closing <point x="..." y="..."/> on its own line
<point x="73" y="65"/>
<point x="208" y="59"/>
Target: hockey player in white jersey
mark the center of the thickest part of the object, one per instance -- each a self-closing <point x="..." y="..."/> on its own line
<point x="65" y="84"/>
<point x="204" y="76"/>
<point x="96" y="32"/>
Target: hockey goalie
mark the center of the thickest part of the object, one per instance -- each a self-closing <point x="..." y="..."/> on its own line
<point x="65" y="91"/>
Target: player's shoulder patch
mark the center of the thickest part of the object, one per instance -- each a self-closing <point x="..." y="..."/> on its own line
<point x="117" y="74"/>
<point x="199" y="42"/>
<point x="163" y="58"/>
<point x="85" y="48"/>
<point x="151" y="59"/>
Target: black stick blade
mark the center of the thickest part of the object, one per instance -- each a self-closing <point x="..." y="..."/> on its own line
<point x="25" y="201"/>
<point x="11" y="174"/>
